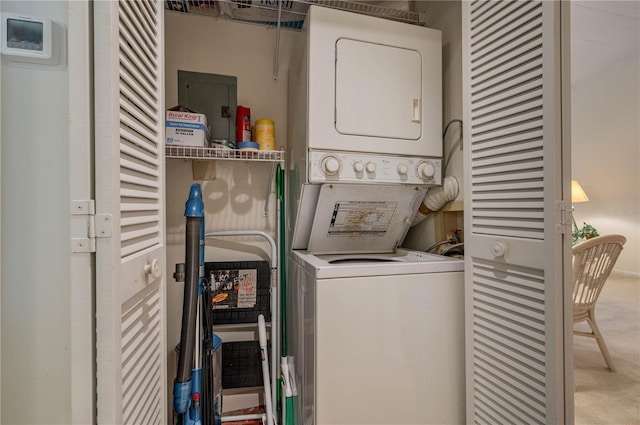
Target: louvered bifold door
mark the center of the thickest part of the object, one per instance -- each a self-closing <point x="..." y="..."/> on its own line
<point x="514" y="219"/>
<point x="129" y="177"/>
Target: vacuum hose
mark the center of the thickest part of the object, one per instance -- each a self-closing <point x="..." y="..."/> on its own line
<point x="189" y="305"/>
<point x="183" y="387"/>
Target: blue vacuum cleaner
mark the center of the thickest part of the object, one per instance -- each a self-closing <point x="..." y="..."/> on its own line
<point x="187" y="387"/>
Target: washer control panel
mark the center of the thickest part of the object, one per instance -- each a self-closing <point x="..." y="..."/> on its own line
<point x="347" y="167"/>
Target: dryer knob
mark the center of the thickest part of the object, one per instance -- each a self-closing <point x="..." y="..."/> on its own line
<point x="426" y="170"/>
<point x="330" y="165"/>
<point x="402" y="170"/>
<point x="370" y="167"/>
<point x="358" y="167"/>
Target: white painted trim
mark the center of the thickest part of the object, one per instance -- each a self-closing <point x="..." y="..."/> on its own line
<point x="626" y="273"/>
<point x="0" y="245"/>
<point x="82" y="374"/>
<point x="606" y="70"/>
<point x="567" y="256"/>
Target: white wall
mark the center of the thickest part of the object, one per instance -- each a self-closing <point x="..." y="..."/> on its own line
<point x="445" y="16"/>
<point x="0" y="247"/>
<point x="41" y="329"/>
<point x="35" y="242"/>
<point x="606" y="156"/>
<point x="236" y="199"/>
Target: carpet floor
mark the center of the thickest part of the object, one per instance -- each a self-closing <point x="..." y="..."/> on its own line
<point x="602" y="396"/>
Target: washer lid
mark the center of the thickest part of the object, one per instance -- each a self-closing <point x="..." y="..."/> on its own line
<point x="357" y="218"/>
<point x="399" y="263"/>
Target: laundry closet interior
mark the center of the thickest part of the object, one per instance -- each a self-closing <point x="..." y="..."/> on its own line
<point x="239" y="193"/>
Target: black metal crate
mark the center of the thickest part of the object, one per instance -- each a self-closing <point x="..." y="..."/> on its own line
<point x="240" y="291"/>
<point x="242" y="364"/>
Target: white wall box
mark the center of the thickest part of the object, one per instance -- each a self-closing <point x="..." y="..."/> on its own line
<point x="33" y="42"/>
<point x="184" y="128"/>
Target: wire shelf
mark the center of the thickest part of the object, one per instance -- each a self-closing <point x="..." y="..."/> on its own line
<point x="195" y="152"/>
<point x="288" y="14"/>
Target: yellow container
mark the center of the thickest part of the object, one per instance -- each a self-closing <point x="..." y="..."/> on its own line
<point x="265" y="134"/>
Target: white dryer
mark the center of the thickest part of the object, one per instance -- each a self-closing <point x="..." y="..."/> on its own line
<point x="377" y="338"/>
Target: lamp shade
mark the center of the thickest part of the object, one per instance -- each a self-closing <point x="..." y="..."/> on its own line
<point x="577" y="193"/>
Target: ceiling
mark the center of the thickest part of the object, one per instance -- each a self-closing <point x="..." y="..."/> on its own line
<point x="604" y="34"/>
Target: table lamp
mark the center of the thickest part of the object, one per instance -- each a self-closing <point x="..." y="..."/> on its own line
<point x="577" y="195"/>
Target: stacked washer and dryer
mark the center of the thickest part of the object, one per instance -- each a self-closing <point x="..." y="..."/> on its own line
<point x="376" y="332"/>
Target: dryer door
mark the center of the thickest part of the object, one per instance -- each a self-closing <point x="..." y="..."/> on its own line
<point x="383" y="101"/>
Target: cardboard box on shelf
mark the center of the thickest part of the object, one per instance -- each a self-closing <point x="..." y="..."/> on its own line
<point x="185" y="127"/>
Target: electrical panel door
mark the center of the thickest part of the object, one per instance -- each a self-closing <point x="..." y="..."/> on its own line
<point x="216" y="96"/>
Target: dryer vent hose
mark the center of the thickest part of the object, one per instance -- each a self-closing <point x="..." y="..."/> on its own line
<point x="436" y="198"/>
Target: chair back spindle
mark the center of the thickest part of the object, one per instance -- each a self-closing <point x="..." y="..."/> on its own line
<point x="593" y="261"/>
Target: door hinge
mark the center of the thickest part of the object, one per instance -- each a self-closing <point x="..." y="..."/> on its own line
<point x="565" y="215"/>
<point x="87" y="226"/>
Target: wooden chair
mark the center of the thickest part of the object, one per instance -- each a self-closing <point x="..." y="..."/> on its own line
<point x="593" y="261"/>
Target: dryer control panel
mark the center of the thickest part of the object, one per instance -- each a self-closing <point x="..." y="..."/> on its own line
<point x="346" y="167"/>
